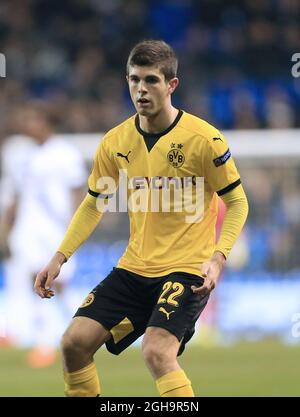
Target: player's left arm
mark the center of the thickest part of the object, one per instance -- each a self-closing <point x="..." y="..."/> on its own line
<point x="223" y="178"/>
<point x="234" y="220"/>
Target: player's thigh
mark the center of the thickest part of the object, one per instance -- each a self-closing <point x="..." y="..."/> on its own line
<point x="178" y="307"/>
<point x="84" y="334"/>
<point x="160" y="342"/>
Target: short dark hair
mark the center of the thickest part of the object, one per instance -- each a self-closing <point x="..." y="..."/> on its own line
<point x="152" y="52"/>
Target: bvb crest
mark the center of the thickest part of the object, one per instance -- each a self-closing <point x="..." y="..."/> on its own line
<point x="176" y="156"/>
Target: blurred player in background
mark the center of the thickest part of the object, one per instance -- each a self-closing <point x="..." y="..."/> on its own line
<point x="163" y="280"/>
<point x="43" y="178"/>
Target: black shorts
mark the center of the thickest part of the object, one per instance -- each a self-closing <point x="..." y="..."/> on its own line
<point x="126" y="304"/>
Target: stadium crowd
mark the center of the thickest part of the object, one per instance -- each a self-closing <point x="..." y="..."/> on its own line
<point x="235" y="59"/>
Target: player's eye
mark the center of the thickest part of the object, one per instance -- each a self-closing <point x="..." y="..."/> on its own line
<point x="152" y="80"/>
<point x="134" y="79"/>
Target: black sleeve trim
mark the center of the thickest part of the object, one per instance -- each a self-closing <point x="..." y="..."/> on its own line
<point x="93" y="193"/>
<point x="229" y="187"/>
<point x="104" y="196"/>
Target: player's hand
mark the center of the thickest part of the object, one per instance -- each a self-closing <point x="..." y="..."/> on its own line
<point x="46" y="276"/>
<point x="211" y="272"/>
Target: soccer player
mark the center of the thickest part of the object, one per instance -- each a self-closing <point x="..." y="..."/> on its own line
<point x="171" y="264"/>
<point x="37" y="176"/>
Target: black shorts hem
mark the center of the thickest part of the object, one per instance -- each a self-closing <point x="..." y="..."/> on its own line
<point x="81" y="314"/>
<point x="165" y="328"/>
<point x="181" y="341"/>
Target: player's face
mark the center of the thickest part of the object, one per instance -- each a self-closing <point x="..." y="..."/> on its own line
<point x="149" y="90"/>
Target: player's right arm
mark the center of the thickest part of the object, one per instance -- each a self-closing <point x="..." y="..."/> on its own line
<point x="83" y="223"/>
<point x="80" y="228"/>
<point x="46" y="276"/>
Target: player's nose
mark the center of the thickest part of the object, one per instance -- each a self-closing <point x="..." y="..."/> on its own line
<point x="142" y="87"/>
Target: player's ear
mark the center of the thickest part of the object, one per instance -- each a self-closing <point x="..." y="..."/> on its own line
<point x="173" y="83"/>
<point x="127" y="78"/>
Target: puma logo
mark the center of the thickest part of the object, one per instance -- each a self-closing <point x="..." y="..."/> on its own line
<point x="166" y="312"/>
<point x="124" y="156"/>
<point x="215" y="139"/>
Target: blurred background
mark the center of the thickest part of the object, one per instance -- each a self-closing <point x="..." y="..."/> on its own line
<point x="65" y="86"/>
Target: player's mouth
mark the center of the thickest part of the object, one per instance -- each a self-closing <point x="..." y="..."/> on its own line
<point x="143" y="102"/>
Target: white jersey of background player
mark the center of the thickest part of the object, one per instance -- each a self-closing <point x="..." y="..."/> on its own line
<point x="43" y="184"/>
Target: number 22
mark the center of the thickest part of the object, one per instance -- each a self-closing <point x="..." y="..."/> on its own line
<point x="178" y="290"/>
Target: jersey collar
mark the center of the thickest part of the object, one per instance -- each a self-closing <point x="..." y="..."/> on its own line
<point x="157" y="135"/>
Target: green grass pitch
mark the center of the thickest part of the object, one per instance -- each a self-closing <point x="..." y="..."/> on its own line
<point x="248" y="369"/>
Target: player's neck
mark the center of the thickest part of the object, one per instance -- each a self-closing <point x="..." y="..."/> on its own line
<point x="159" y="122"/>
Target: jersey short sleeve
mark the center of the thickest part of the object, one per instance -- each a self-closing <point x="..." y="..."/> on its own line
<point x="219" y="167"/>
<point x="104" y="172"/>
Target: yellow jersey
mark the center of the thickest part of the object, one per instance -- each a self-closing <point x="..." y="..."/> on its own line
<point x="190" y="156"/>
